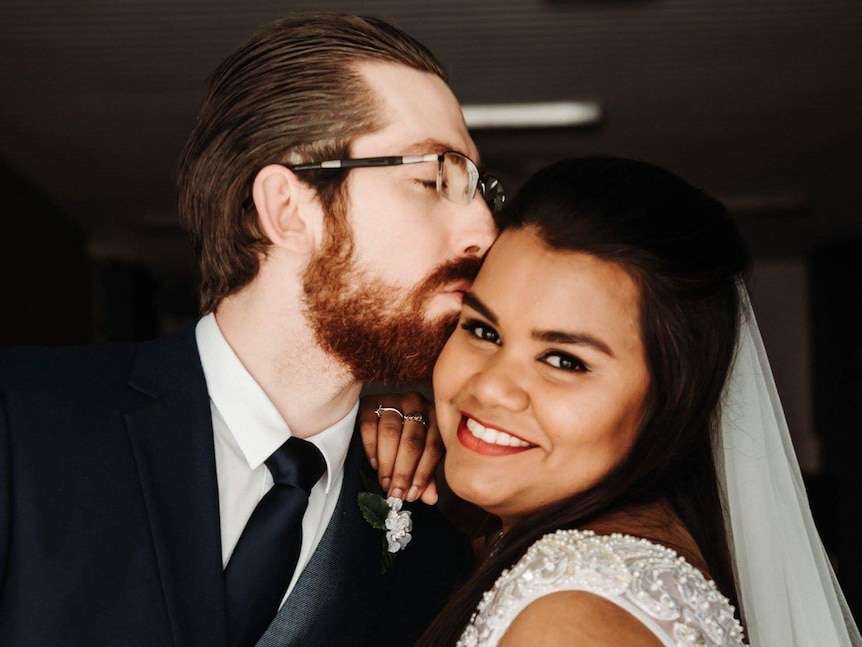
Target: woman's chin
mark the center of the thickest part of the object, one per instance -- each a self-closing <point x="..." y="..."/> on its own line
<point x="470" y="486"/>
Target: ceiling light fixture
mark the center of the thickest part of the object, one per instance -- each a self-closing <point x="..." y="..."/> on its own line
<point x="552" y="114"/>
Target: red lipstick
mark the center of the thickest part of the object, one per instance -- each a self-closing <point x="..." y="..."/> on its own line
<point x="468" y="440"/>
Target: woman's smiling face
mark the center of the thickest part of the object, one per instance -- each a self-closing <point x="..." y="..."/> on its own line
<point x="540" y="389"/>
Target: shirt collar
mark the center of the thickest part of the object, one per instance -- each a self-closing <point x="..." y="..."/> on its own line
<point x="250" y="416"/>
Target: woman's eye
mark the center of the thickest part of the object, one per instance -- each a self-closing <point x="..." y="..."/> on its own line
<point x="481" y="331"/>
<point x="565" y="362"/>
<point x="431" y="185"/>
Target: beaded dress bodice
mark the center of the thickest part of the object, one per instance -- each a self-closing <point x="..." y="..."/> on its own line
<point x="657" y="586"/>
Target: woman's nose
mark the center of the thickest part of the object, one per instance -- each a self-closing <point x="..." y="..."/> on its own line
<point x="499" y="383"/>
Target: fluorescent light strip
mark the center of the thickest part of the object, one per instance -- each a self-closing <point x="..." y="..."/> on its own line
<point x="532" y="115"/>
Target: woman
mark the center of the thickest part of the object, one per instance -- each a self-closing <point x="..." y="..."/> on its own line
<point x="579" y="401"/>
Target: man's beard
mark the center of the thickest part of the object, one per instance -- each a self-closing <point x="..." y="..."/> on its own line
<point x="368" y="326"/>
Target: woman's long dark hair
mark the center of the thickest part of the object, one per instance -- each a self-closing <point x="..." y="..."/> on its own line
<point x="687" y="256"/>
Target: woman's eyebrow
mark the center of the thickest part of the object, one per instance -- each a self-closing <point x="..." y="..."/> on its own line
<point x="475" y="302"/>
<point x="581" y="339"/>
<point x="550" y="336"/>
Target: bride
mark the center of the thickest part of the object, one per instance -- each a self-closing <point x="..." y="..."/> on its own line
<point x="584" y="400"/>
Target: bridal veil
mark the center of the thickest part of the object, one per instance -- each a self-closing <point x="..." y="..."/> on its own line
<point x="786" y="585"/>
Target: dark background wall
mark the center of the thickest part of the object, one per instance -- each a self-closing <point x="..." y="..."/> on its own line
<point x="45" y="272"/>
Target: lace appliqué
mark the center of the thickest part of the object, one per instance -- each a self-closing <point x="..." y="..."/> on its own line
<point x="652" y="582"/>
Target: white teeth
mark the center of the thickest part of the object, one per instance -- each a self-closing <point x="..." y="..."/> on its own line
<point x="490" y="436"/>
<point x="494" y="436"/>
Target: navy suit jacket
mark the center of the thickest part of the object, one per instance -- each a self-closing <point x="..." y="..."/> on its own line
<point x="109" y="516"/>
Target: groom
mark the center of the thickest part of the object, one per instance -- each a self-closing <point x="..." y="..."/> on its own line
<point x="135" y="479"/>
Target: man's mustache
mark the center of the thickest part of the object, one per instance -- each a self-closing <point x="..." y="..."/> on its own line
<point x="462" y="269"/>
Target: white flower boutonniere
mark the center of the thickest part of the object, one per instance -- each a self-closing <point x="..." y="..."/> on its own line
<point x="398" y="526"/>
<point x="386" y="515"/>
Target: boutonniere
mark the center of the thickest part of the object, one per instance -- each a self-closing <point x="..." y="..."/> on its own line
<point x="387" y="515"/>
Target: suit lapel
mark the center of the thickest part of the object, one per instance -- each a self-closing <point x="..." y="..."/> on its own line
<point x="172" y="440"/>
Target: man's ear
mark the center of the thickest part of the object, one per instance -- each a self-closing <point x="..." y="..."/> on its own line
<point x="284" y="208"/>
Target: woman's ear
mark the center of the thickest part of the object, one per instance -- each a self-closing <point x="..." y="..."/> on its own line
<point x="284" y="209"/>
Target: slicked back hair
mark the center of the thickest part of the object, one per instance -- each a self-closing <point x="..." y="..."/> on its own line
<point x="291" y="93"/>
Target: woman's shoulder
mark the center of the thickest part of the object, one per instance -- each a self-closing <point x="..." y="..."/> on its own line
<point x="565" y="618"/>
<point x="649" y="581"/>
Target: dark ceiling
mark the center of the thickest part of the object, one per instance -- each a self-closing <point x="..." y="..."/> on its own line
<point x="758" y="101"/>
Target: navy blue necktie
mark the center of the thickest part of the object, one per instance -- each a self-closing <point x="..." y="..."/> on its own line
<point x="262" y="564"/>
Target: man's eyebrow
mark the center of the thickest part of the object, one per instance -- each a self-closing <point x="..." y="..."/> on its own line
<point x="436" y="146"/>
<point x="475" y="302"/>
<point x="577" y="338"/>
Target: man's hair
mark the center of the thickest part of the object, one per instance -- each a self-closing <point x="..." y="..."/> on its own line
<point x="290" y="93"/>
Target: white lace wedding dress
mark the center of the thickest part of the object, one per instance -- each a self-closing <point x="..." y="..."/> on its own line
<point x="657" y="586"/>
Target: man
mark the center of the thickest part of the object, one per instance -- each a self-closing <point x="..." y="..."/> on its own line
<point x="135" y="480"/>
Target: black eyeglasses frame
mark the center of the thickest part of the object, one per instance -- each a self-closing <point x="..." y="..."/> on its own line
<point x="488" y="185"/>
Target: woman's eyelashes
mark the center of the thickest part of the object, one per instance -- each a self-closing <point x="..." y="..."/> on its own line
<point x="564" y="362"/>
<point x="567" y="362"/>
<point x="481" y="330"/>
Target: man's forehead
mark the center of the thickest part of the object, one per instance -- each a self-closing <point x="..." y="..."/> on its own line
<point x="417" y="111"/>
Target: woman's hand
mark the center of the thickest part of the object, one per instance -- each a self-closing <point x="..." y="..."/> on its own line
<point x="404" y="451"/>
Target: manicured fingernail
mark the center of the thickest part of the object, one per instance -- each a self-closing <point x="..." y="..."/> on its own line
<point x="412" y="493"/>
<point x="385" y="483"/>
<point x="373" y="463"/>
<point x="398" y="493"/>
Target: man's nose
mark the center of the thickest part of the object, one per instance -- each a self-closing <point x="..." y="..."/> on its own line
<point x="476" y="229"/>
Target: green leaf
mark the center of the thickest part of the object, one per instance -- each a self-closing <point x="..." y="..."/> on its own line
<point x="374" y="508"/>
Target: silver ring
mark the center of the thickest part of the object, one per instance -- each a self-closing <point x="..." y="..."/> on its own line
<point x="418" y="417"/>
<point x="380" y="409"/>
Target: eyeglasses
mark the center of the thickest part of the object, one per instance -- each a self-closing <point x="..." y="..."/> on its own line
<point x="457" y="175"/>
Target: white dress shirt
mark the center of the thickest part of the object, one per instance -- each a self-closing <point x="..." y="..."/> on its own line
<point x="247" y="430"/>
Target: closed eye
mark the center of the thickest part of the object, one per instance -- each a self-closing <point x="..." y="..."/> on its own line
<point x="564" y="362"/>
<point x="482" y="331"/>
<point x="428" y="184"/>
